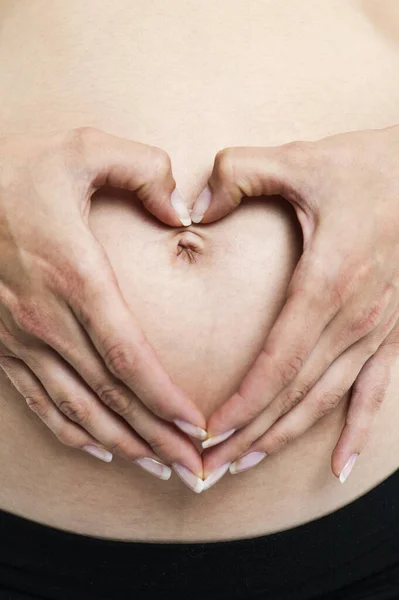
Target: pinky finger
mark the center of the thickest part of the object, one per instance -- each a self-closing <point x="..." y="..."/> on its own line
<point x="69" y="433"/>
<point x="366" y="400"/>
<point x="39" y="402"/>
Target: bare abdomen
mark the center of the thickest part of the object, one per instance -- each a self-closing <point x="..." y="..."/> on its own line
<point x="192" y="82"/>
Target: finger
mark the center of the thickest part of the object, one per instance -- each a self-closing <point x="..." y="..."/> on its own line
<point x="74" y="400"/>
<point x="145" y="170"/>
<point x="326" y="393"/>
<point x="351" y="324"/>
<point x="69" y="433"/>
<point x="101" y="309"/>
<point x="320" y="401"/>
<point x="166" y="441"/>
<point x="313" y="344"/>
<point x="38" y="401"/>
<point x="239" y="172"/>
<point x="367" y="397"/>
<point x="293" y="336"/>
<point x="95" y="300"/>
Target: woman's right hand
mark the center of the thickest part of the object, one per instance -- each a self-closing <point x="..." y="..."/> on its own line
<point x="68" y="341"/>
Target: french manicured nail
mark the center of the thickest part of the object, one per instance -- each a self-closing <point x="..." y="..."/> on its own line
<point x="154" y="467"/>
<point x="193" y="430"/>
<point x="180" y="207"/>
<point x="201" y="205"/>
<point x="217" y="439"/>
<point x="192" y="481"/>
<point x="246" y="462"/>
<point x="346" y="471"/>
<point x="215" y="476"/>
<point x="100" y="453"/>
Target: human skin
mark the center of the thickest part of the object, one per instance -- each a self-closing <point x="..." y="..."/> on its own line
<point x="206" y="319"/>
<point x="57" y="289"/>
<point x="338" y="326"/>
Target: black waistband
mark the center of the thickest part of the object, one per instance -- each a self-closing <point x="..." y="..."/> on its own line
<point x="350" y="545"/>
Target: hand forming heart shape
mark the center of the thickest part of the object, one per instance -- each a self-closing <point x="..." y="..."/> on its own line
<point x="339" y="324"/>
<point x="61" y="275"/>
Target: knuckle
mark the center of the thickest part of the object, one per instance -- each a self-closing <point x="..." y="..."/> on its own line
<point x="328" y="402"/>
<point x="289" y="369"/>
<point x="87" y="279"/>
<point x="116" y="399"/>
<point x="378" y="396"/>
<point x="293" y="397"/>
<point x="280" y="439"/>
<point x="161" y="162"/>
<point x="121" y="360"/>
<point x="224" y="164"/>
<point x="37" y="405"/>
<point x="29" y="317"/>
<point x="75" y="410"/>
<point x="367" y="321"/>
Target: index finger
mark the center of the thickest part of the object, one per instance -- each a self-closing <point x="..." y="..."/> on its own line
<point x="129" y="165"/>
<point x="250" y="172"/>
<point x="292" y="338"/>
<point x="98" y="304"/>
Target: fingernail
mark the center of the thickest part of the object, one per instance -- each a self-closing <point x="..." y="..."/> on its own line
<point x="192" y="430"/>
<point x="246" y="462"/>
<point x="201" y="205"/>
<point x="180" y="207"/>
<point x="217" y="439"/>
<point x="346" y="471"/>
<point x="154" y="467"/>
<point x="192" y="481"/>
<point x="100" y="453"/>
<point x="215" y="476"/>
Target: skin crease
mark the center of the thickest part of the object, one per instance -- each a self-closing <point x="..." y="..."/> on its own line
<point x="350" y="293"/>
<point x="293" y="75"/>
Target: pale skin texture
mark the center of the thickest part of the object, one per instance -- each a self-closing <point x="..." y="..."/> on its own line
<point x="62" y="273"/>
<point x="339" y="324"/>
<point x="183" y="302"/>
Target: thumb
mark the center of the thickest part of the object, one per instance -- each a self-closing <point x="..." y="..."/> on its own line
<point x="247" y="172"/>
<point x="140" y="168"/>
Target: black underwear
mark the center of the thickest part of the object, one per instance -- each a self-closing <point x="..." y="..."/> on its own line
<point x="352" y="553"/>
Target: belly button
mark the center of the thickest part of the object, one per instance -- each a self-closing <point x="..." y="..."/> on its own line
<point x="189" y="245"/>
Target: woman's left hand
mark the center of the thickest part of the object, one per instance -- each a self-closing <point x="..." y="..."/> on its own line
<point x="339" y="325"/>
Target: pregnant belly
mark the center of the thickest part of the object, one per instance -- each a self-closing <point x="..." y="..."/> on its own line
<point x="205" y="297"/>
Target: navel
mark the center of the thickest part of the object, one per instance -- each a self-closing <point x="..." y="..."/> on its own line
<point x="189" y="246"/>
